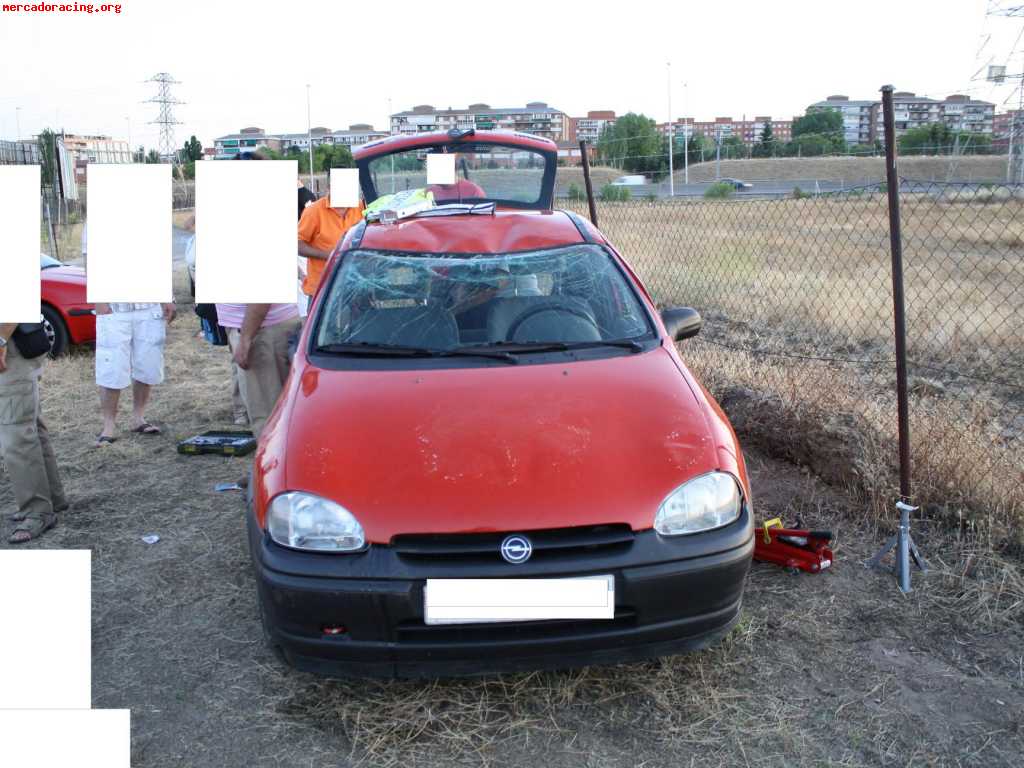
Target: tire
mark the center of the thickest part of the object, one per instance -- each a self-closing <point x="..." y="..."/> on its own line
<point x="60" y="339"/>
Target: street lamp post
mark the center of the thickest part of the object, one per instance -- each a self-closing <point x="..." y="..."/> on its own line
<point x="686" y="138"/>
<point x="309" y="138"/>
<point x="671" y="147"/>
<point x="17" y="120"/>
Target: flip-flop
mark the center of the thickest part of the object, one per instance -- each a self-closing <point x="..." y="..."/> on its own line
<point x="105" y="440"/>
<point x="147" y="429"/>
<point x="32" y="528"/>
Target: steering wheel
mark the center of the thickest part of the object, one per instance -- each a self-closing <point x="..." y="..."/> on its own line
<point x="518" y="322"/>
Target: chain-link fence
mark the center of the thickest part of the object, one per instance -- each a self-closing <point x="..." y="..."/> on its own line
<point x="61" y="224"/>
<point x="798" y="342"/>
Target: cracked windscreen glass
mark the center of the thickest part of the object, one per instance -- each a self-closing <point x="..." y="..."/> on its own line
<point x="483" y="172"/>
<point x="571" y="296"/>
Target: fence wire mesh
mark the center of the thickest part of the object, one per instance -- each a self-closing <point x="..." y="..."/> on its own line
<point x="798" y="342"/>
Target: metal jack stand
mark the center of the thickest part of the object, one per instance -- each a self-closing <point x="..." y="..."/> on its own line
<point x="905" y="549"/>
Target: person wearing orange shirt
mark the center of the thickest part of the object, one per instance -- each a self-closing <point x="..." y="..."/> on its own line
<point x="320" y="229"/>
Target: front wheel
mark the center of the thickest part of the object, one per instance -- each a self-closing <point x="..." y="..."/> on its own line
<point x="56" y="330"/>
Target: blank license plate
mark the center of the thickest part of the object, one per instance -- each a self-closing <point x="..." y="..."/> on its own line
<point x="463" y="601"/>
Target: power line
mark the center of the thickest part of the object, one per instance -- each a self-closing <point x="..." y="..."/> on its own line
<point x="165" y="116"/>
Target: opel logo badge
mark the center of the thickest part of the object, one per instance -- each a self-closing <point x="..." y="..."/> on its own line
<point x="516" y="549"/>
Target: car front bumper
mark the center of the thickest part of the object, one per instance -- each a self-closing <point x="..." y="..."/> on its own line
<point x="671" y="596"/>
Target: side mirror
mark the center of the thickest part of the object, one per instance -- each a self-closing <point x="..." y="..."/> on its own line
<point x="681" y="322"/>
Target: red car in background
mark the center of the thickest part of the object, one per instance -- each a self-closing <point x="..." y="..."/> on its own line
<point x="489" y="454"/>
<point x="68" y="317"/>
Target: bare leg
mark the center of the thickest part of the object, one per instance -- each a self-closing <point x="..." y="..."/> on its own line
<point x="140" y="396"/>
<point x="108" y="406"/>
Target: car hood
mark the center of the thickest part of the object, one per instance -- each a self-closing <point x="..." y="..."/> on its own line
<point x="509" y="448"/>
<point x="64" y="274"/>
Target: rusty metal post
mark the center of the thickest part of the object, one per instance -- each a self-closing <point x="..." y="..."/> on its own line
<point x="902" y="544"/>
<point x="898" y="302"/>
<point x="586" y="180"/>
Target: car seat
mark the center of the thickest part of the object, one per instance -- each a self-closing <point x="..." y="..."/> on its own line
<point x="430" y="326"/>
<point x="541" y="318"/>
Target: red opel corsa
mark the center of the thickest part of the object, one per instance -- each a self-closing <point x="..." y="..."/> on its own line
<point x="489" y="455"/>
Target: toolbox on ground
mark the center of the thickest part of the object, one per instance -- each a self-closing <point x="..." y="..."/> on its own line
<point x="220" y="442"/>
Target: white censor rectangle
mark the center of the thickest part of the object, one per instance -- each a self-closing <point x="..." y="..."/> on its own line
<point x="19" y="243"/>
<point x="128" y="233"/>
<point x="460" y="601"/>
<point x="440" y="169"/>
<point x="246" y="241"/>
<point x="344" y="187"/>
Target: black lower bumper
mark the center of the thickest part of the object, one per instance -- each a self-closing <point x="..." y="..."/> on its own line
<point x="662" y="608"/>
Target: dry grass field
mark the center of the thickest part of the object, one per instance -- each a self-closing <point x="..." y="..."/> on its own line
<point x="797" y="297"/>
<point x="853" y="170"/>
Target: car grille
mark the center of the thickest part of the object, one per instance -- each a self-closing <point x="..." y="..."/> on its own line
<point x="564" y="543"/>
<point x="497" y="632"/>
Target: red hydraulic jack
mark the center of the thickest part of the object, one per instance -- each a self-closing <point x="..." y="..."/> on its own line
<point x="792" y="548"/>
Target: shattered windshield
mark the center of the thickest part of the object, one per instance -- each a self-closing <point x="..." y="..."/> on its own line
<point x="482" y="172"/>
<point x="570" y="296"/>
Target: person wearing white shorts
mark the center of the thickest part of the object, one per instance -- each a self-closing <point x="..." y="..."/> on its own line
<point x="129" y="350"/>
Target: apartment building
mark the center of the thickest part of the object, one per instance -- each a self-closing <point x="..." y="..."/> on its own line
<point x="589" y="128"/>
<point x="863" y="119"/>
<point x="251" y="139"/>
<point x="536" y="118"/>
<point x="909" y="111"/>
<point x="96" y="149"/>
<point x="858" y="117"/>
<point x="962" y="113"/>
<point x="246" y="140"/>
<point x="82" y="150"/>
<point x="748" y="131"/>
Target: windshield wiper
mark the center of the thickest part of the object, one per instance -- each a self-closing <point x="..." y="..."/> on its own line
<point x="515" y="347"/>
<point x="376" y="349"/>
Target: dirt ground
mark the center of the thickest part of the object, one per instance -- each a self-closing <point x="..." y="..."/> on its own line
<point x="838" y="669"/>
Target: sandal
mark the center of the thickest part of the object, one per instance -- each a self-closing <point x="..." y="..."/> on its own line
<point x="145" y="428"/>
<point x="18" y="517"/>
<point x="105" y="440"/>
<point x="32" y="528"/>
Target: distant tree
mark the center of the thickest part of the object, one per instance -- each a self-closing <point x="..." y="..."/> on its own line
<point x="940" y="139"/>
<point x="47" y="160"/>
<point x="139" y="155"/>
<point x="733" y="147"/>
<point x="328" y="156"/>
<point x="765" y="146"/>
<point x="188" y="170"/>
<point x="152" y="156"/>
<point x="809" y="145"/>
<point x="342" y="157"/>
<point x="192" y="150"/>
<point x="824" y="121"/>
<point x="633" y="144"/>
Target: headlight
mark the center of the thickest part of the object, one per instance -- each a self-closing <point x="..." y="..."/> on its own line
<point x="706" y="502"/>
<point x="304" y="521"/>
